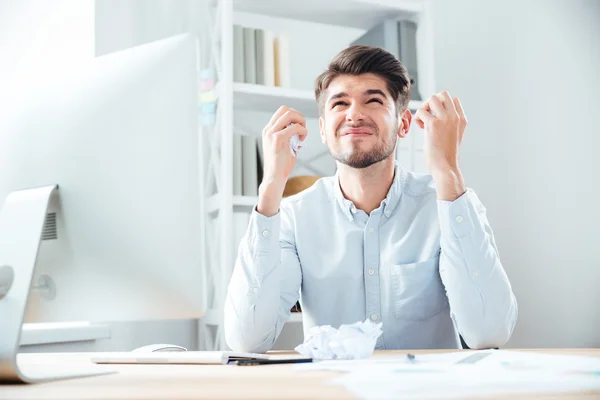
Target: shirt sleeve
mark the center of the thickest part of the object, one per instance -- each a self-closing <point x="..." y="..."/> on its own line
<point x="265" y="283"/>
<point x="482" y="303"/>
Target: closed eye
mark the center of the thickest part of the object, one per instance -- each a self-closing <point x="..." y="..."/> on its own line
<point x="338" y="103"/>
<point x="375" y="99"/>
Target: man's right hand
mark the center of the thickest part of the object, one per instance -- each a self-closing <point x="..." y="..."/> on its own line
<point x="278" y="160"/>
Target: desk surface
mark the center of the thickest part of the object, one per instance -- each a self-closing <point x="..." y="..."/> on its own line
<point x="204" y="381"/>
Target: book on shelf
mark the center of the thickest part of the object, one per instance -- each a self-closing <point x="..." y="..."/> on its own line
<point x="282" y="63"/>
<point x="260" y="57"/>
<point x="265" y="57"/>
<point x="249" y="166"/>
<point x="249" y="56"/>
<point x="259" y="161"/>
<point x="237" y="165"/>
<point x="238" y="54"/>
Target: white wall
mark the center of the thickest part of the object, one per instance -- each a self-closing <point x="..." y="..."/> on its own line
<point x="527" y="75"/>
<point x="37" y="36"/>
<point x="121" y="24"/>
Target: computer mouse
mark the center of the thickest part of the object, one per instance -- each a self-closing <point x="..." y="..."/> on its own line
<point x="153" y="348"/>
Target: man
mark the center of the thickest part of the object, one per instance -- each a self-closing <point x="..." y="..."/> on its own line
<point x="414" y="252"/>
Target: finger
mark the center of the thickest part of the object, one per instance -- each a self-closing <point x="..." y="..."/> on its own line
<point x="447" y="101"/>
<point x="462" y="117"/>
<point x="423" y="117"/>
<point x="435" y="105"/>
<point x="418" y="121"/>
<point x="302" y="133"/>
<point x="280" y="111"/>
<point x="291" y="130"/>
<point x="459" y="108"/>
<point x="289" y="117"/>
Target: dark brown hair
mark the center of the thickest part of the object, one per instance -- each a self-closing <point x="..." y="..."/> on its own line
<point x="360" y="59"/>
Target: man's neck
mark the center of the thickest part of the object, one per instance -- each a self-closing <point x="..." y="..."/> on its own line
<point x="367" y="187"/>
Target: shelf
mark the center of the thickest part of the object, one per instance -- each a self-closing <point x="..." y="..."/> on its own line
<point x="214" y="202"/>
<point x="362" y="14"/>
<point x="247" y="96"/>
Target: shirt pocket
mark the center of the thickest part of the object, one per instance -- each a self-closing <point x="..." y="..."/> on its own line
<point x="417" y="290"/>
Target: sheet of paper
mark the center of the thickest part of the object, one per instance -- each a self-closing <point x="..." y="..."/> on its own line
<point x="460" y="381"/>
<point x="464" y="374"/>
<point x="544" y="361"/>
<point x="484" y="358"/>
<point x="441" y="359"/>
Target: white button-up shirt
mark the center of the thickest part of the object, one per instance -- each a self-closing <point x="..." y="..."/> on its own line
<point x="427" y="269"/>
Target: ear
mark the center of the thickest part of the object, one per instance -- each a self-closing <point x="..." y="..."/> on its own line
<point x="404" y="120"/>
<point x="322" y="130"/>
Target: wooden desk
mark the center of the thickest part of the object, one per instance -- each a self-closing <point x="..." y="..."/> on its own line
<point x="203" y="381"/>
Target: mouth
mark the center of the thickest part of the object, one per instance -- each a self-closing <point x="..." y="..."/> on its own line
<point x="357" y="132"/>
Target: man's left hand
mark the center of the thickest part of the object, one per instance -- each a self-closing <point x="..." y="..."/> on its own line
<point x="444" y="121"/>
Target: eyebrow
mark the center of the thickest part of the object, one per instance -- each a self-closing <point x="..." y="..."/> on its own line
<point x="337" y="96"/>
<point x="368" y="92"/>
<point x="375" y="91"/>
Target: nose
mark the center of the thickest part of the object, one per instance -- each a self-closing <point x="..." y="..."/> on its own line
<point x="354" y="113"/>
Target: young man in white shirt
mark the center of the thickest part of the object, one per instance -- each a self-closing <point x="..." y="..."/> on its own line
<point x="414" y="252"/>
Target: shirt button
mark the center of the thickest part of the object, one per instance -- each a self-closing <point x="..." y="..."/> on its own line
<point x="370" y="229"/>
<point x="353" y="209"/>
<point x="266" y="233"/>
<point x="374" y="317"/>
<point x="371" y="272"/>
<point x="256" y="290"/>
<point x="475" y="274"/>
<point x="388" y="213"/>
<point x="459" y="219"/>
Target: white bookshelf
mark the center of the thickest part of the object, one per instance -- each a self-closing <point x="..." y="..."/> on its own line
<point x="232" y="96"/>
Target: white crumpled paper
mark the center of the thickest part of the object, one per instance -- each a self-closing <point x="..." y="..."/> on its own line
<point x="349" y="342"/>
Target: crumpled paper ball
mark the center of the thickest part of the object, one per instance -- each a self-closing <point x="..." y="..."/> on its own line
<point x="349" y="342"/>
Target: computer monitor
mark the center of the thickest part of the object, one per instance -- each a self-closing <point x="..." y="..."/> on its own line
<point x="100" y="171"/>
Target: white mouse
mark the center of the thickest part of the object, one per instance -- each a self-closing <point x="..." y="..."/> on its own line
<point x="153" y="348"/>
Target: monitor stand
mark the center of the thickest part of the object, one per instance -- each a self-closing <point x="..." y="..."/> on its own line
<point x="22" y="220"/>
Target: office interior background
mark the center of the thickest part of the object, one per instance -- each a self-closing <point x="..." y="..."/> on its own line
<point x="526" y="74"/>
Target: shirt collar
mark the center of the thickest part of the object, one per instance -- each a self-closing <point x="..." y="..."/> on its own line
<point x="389" y="203"/>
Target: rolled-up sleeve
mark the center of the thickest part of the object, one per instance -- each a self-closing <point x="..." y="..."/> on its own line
<point x="482" y="303"/>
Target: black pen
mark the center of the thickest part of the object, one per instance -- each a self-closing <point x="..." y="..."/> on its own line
<point x="272" y="361"/>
